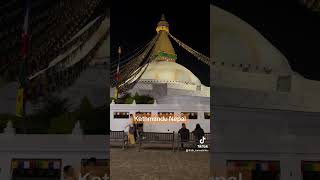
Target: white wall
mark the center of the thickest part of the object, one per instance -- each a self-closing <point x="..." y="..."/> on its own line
<point x="258" y="134"/>
<point x="71" y="149"/>
<point x="119" y="124"/>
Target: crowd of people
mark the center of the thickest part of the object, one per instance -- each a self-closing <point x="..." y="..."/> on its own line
<point x="135" y="131"/>
<point x="184" y="133"/>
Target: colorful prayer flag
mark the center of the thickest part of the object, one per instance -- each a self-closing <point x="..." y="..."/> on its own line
<point x="116" y="92"/>
<point x="20" y="102"/>
<point x="24" y="34"/>
<point x="45" y="164"/>
<point x="316" y="167"/>
<point x="265" y="167"/>
<point x="51" y="165"/>
<point x="14" y="164"/>
<point x="118" y="73"/>
<point x="20" y="164"/>
<point x="56" y="165"/>
<point x="22" y="68"/>
<point x="26" y="165"/>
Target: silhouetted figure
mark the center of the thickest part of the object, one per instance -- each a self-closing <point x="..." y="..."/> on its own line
<point x="139" y="126"/>
<point x="198" y="132"/>
<point x="184" y="134"/>
<point x="91" y="168"/>
<point x="68" y="173"/>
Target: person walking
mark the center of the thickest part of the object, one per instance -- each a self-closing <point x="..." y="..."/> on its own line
<point x="130" y="127"/>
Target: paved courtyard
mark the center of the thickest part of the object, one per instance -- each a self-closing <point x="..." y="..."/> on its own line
<point x="152" y="164"/>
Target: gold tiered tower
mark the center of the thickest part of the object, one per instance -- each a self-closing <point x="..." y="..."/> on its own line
<point x="165" y="69"/>
<point x="163" y="50"/>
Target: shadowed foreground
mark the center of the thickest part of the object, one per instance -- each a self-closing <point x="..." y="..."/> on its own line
<point x="158" y="165"/>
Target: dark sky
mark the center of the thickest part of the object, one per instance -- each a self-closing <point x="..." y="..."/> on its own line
<point x="290" y="26"/>
<point x="133" y="24"/>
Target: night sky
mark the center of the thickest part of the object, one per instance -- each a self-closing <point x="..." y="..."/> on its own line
<point x="288" y="25"/>
<point x="133" y="24"/>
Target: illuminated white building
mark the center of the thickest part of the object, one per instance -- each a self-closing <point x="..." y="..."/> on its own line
<point x="264" y="112"/>
<point x="175" y="88"/>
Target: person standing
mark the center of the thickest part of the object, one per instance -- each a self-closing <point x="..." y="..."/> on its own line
<point x="139" y="126"/>
<point x="91" y="167"/>
<point x="68" y="173"/>
<point x="198" y="132"/>
<point x="184" y="134"/>
<point x="91" y="170"/>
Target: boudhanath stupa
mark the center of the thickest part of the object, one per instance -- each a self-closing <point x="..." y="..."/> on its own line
<point x="175" y="88"/>
<point x="166" y="80"/>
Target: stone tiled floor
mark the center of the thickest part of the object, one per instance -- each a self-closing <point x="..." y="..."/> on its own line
<point x="150" y="164"/>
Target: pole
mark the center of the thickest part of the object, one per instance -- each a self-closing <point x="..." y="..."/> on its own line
<point x="25" y="53"/>
<point x="24" y="118"/>
<point x="118" y="72"/>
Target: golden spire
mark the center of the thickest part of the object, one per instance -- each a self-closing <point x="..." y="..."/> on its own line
<point x="163" y="18"/>
<point x="163" y="25"/>
<point x="163" y="49"/>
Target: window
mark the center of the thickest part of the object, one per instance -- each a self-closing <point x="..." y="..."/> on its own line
<point x="120" y="115"/>
<point x="245" y="69"/>
<point x="206" y="115"/>
<point x="284" y="84"/>
<point x="144" y="114"/>
<point x="267" y="70"/>
<point x="165" y="114"/>
<point x="190" y="115"/>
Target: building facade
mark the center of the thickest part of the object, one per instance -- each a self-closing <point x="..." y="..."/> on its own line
<point x="43" y="156"/>
<point x="198" y="113"/>
<point x="266" y="116"/>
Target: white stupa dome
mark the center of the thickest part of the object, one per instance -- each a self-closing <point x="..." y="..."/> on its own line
<point x="168" y="72"/>
<point x="161" y="77"/>
<point x="235" y="42"/>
